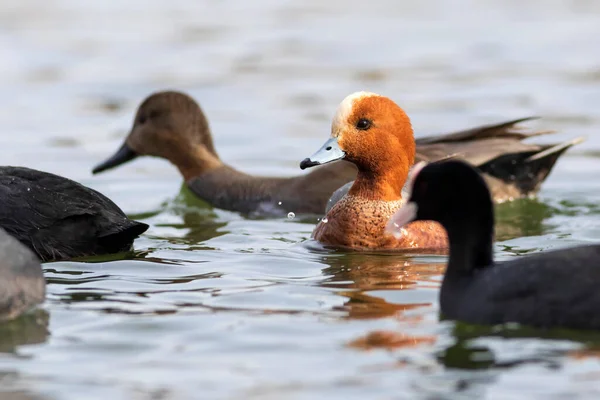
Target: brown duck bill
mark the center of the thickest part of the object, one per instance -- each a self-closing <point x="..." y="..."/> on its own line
<point x="329" y="152"/>
<point x="123" y="155"/>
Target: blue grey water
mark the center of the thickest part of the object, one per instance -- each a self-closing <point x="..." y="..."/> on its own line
<point x="213" y="305"/>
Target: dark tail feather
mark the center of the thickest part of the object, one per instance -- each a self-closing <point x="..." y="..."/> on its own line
<point x="527" y="170"/>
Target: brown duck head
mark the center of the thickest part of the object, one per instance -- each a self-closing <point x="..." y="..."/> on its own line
<point x="169" y="125"/>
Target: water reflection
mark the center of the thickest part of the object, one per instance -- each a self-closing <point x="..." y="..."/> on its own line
<point x="390" y="340"/>
<point x="360" y="275"/>
<point x="465" y="332"/>
<point x="364" y="306"/>
<point x="476" y="346"/>
<point x="380" y="271"/>
<point x="525" y="217"/>
<point x="133" y="288"/>
<point x="464" y="355"/>
<point x="199" y="220"/>
<point x="30" y="328"/>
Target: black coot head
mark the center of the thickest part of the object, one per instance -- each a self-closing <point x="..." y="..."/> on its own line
<point x="450" y="192"/>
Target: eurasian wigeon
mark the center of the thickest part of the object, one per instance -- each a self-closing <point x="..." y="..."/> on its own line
<point x="172" y="125"/>
<point x="375" y="134"/>
<point x="552" y="289"/>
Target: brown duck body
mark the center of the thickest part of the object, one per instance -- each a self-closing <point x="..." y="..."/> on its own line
<point x="357" y="223"/>
<point x="229" y="189"/>
<point x="172" y="125"/>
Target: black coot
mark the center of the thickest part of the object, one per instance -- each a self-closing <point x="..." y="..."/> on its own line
<point x="558" y="288"/>
<point x="60" y="219"/>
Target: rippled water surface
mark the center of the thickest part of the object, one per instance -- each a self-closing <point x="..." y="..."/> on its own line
<point x="213" y="305"/>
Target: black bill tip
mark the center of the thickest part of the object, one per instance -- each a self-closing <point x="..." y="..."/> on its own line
<point x="307" y="163"/>
<point x="123" y="155"/>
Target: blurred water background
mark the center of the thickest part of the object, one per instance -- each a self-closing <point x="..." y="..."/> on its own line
<point x="214" y="305"/>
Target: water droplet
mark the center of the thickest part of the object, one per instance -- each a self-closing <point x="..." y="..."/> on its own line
<point x="291" y="215"/>
<point x="279" y="203"/>
<point x="325" y="220"/>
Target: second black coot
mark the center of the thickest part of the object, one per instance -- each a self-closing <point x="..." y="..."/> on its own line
<point x="559" y="288"/>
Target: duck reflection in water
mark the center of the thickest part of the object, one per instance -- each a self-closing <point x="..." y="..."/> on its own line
<point x="194" y="220"/>
<point x="381" y="272"/>
<point x="362" y="275"/>
<point x="29" y="328"/>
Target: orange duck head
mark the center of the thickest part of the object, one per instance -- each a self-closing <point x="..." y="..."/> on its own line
<point x="169" y="125"/>
<point x="375" y="134"/>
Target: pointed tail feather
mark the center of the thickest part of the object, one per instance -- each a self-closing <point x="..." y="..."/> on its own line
<point x="559" y="148"/>
<point x="527" y="170"/>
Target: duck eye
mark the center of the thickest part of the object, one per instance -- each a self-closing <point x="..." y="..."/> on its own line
<point x="363" y="124"/>
<point x="141" y="119"/>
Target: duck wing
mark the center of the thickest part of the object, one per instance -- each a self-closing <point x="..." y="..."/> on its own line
<point x="512" y="168"/>
<point x="480" y="144"/>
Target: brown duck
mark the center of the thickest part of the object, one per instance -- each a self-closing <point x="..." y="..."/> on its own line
<point x="172" y="125"/>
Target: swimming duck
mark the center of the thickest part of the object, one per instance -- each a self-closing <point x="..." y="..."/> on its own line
<point x="22" y="283"/>
<point x="552" y="289"/>
<point x="375" y="134"/>
<point x="171" y="125"/>
<point x="60" y="219"/>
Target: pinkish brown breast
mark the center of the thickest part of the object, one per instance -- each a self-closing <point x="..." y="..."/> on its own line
<point x="358" y="223"/>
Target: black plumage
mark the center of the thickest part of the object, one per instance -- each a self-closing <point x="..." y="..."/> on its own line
<point x="61" y="219"/>
<point x="559" y="288"/>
